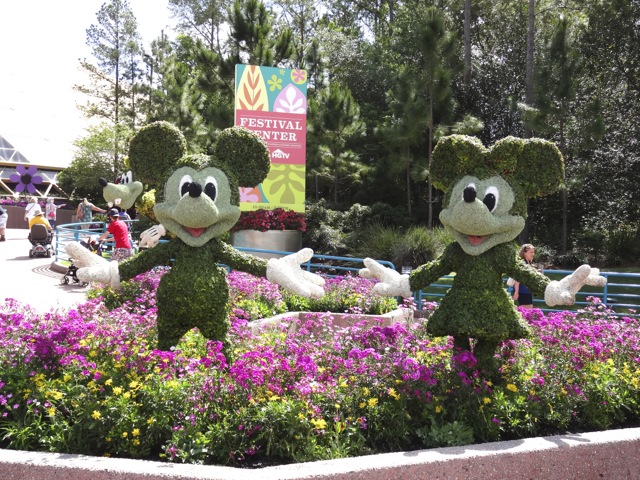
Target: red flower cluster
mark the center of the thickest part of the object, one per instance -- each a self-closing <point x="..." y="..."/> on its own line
<point x="276" y="219"/>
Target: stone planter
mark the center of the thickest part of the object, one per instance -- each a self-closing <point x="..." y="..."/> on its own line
<point x="281" y="240"/>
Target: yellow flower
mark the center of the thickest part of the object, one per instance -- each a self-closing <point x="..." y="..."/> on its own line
<point x="319" y="423"/>
<point x="134" y="384"/>
<point x="635" y="382"/>
<point x="51" y="411"/>
<point x="438" y="409"/>
<point x="512" y="387"/>
<point x="125" y="434"/>
<point x="486" y="400"/>
<point x="136" y="442"/>
<point x="372" y="402"/>
<point x="117" y="390"/>
<point x="109" y="382"/>
<point x="151" y="420"/>
<point x="96" y="415"/>
<point x="393" y="393"/>
<point x="127" y="395"/>
<point x="362" y="405"/>
<point x="135" y="432"/>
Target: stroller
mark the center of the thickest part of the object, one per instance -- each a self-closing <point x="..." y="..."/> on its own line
<point x="93" y="246"/>
<point x="40" y="239"/>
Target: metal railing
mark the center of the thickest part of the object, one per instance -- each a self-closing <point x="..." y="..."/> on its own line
<point x="77" y="232"/>
<point x="621" y="293"/>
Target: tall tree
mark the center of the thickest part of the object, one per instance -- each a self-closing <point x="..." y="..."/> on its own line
<point x="92" y="159"/>
<point x="202" y="20"/>
<point x="432" y="64"/>
<point x="251" y="35"/>
<point x="114" y="42"/>
<point x="334" y="121"/>
<point x="301" y="18"/>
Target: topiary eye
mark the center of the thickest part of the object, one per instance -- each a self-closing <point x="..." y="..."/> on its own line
<point x="211" y="188"/>
<point x="185" y="182"/>
<point x="491" y="197"/>
<point x="126" y="178"/>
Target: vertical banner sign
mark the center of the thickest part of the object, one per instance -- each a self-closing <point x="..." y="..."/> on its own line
<point x="273" y="103"/>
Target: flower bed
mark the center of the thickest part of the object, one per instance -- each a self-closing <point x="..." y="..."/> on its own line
<point x="89" y="381"/>
<point x="275" y="219"/>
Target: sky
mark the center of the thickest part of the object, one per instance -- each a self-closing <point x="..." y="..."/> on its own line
<point x="42" y="44"/>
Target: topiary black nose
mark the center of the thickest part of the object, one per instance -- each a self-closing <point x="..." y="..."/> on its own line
<point x="195" y="190"/>
<point x="102" y="182"/>
<point x="469" y="194"/>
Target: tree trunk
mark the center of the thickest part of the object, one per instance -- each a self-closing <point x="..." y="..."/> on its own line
<point x="531" y="36"/>
<point x="408" y="188"/>
<point x="467" y="42"/>
<point x="429" y="148"/>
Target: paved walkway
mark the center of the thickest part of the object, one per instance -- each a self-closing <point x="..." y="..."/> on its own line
<point x="34" y="281"/>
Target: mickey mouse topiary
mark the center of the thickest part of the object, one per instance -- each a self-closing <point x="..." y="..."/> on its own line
<point x="485" y="207"/>
<point x="199" y="204"/>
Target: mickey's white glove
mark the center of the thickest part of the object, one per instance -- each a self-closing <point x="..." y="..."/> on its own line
<point x="150" y="237"/>
<point x="563" y="292"/>
<point x="287" y="273"/>
<point x="92" y="267"/>
<point x="391" y="283"/>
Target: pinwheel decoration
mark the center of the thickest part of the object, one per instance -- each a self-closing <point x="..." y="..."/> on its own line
<point x="26" y="178"/>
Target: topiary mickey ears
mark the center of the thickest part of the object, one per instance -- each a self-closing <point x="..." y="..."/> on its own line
<point x="154" y="150"/>
<point x="453" y="156"/>
<point x="245" y="153"/>
<point x="535" y="165"/>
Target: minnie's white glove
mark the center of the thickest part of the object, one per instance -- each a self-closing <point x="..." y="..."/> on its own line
<point x="391" y="283"/>
<point x="287" y="273"/>
<point x="150" y="237"/>
<point x="92" y="267"/>
<point x="563" y="292"/>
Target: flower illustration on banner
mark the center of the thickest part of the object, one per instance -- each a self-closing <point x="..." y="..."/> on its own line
<point x="291" y="100"/>
<point x="26" y="178"/>
<point x="251" y="195"/>
<point x="275" y="82"/>
<point x="299" y="76"/>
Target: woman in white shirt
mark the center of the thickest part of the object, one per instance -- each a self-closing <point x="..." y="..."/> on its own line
<point x="29" y="210"/>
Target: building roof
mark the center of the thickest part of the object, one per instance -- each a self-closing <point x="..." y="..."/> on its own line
<point x="19" y="176"/>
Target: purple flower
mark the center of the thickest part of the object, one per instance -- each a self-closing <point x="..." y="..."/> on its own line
<point x="26" y="178"/>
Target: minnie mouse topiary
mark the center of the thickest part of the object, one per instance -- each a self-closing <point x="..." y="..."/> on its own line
<point x="485" y="209"/>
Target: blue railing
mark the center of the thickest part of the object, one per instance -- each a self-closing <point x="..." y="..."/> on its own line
<point x="77" y="232"/>
<point x="622" y="291"/>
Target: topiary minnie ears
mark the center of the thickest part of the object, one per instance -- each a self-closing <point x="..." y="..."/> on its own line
<point x="535" y="165"/>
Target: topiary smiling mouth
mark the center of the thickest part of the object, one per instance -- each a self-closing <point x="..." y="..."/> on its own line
<point x="476" y="239"/>
<point x="195" y="232"/>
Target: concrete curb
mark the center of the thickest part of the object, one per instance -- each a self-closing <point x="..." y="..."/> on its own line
<point x="613" y="454"/>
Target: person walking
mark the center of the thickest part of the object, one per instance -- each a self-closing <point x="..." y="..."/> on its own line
<point x="84" y="212"/>
<point x="29" y="210"/>
<point x="4" y="216"/>
<point x="50" y="212"/>
<point x="120" y="233"/>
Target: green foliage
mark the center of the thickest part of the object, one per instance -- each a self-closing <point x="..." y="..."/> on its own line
<point x="154" y="150"/>
<point x="245" y="153"/>
<point x="94" y="158"/>
<point x="454" y="434"/>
